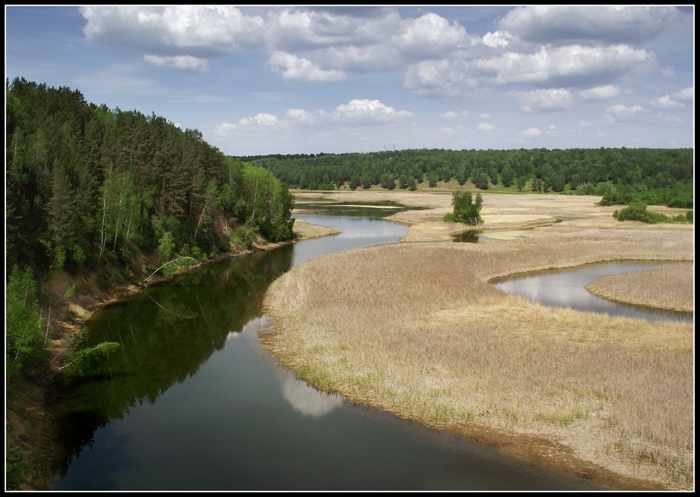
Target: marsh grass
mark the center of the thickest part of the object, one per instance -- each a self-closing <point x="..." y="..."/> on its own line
<point x="666" y="287"/>
<point x="417" y="330"/>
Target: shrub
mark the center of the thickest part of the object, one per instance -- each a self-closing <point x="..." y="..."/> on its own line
<point x="466" y="210"/>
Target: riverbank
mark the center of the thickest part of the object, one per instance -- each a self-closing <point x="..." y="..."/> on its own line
<point x="25" y="409"/>
<point x="416" y="329"/>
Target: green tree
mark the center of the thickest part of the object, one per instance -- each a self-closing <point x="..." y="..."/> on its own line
<point x="24" y="344"/>
<point x="507" y="176"/>
<point x="466" y="209"/>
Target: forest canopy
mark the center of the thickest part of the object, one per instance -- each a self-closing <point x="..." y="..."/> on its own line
<point x="654" y="176"/>
<point x="87" y="184"/>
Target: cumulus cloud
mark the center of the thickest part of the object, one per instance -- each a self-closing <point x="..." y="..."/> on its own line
<point x="455" y="115"/>
<point x="436" y="57"/>
<point x="485" y="127"/>
<point x="666" y="102"/>
<point x="181" y="62"/>
<point x="572" y="64"/>
<point x="356" y="113"/>
<point x="618" y="111"/>
<point x="606" y="92"/>
<point x="367" y="112"/>
<point x="431" y="36"/>
<point x="684" y="94"/>
<point x="543" y="100"/>
<point x="199" y="31"/>
<point x="499" y="39"/>
<point x="530" y="133"/>
<point x="567" y="23"/>
<point x="293" y="68"/>
<point x="670" y="101"/>
<point x="261" y="119"/>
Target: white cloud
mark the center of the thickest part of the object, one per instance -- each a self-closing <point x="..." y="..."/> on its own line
<point x="365" y="111"/>
<point x="499" y="39"/>
<point x="613" y="24"/>
<point x="485" y="127"/>
<point x="684" y="94"/>
<point x="484" y="115"/>
<point x="617" y="111"/>
<point x="570" y="65"/>
<point x="455" y="115"/>
<point x="356" y="113"/>
<point x="224" y="128"/>
<point x="293" y="68"/>
<point x="181" y="62"/>
<point x="299" y="116"/>
<point x="431" y="36"/>
<point x="261" y="119"/>
<point x="530" y="133"/>
<point x="600" y="93"/>
<point x="665" y="102"/>
<point x="199" y="31"/>
<point x="544" y="100"/>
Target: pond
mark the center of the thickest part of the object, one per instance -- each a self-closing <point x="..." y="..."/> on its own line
<point x="192" y="402"/>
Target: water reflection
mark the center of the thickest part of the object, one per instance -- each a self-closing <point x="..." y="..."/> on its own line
<point x="304" y="398"/>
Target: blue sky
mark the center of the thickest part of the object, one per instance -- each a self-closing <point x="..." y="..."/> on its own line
<point x="284" y="79"/>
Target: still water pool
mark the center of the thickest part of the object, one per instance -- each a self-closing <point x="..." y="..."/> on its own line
<point x="192" y="401"/>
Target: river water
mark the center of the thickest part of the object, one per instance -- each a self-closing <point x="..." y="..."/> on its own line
<point x="192" y="402"/>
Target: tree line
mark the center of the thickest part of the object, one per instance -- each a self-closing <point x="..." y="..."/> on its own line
<point x="655" y="176"/>
<point x="88" y="187"/>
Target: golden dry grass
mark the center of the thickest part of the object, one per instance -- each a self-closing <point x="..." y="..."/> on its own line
<point x="667" y="287"/>
<point x="306" y="231"/>
<point x="419" y="332"/>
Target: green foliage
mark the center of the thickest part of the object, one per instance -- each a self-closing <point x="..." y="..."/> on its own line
<point x="17" y="470"/>
<point x="465" y="209"/>
<point x="25" y="351"/>
<point x="638" y="212"/>
<point x="87" y="185"/>
<point x="85" y="361"/>
<point x="166" y="245"/>
<point x="243" y="236"/>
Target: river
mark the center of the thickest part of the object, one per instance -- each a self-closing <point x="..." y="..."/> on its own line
<point x="192" y="401"/>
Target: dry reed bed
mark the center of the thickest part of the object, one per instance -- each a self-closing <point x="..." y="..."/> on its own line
<point x="667" y="287"/>
<point x="417" y="330"/>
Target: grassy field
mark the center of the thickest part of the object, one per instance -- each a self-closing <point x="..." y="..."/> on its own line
<point x="417" y="330"/>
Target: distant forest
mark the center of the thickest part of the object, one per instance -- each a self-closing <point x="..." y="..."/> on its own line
<point x="88" y="186"/>
<point x="621" y="175"/>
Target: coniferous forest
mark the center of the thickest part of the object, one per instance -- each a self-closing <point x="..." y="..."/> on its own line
<point x="88" y="186"/>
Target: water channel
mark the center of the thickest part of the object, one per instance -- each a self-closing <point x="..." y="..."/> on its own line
<point x="192" y="402"/>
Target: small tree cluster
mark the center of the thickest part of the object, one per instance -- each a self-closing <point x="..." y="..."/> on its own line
<point x="465" y="209"/>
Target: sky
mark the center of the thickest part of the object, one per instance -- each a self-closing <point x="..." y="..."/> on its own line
<point x="258" y="80"/>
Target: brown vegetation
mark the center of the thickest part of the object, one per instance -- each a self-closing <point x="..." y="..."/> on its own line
<point x="667" y="287"/>
<point x="415" y="329"/>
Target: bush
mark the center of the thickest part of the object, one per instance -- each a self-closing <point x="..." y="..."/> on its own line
<point x="466" y="210"/>
<point x="638" y="212"/>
